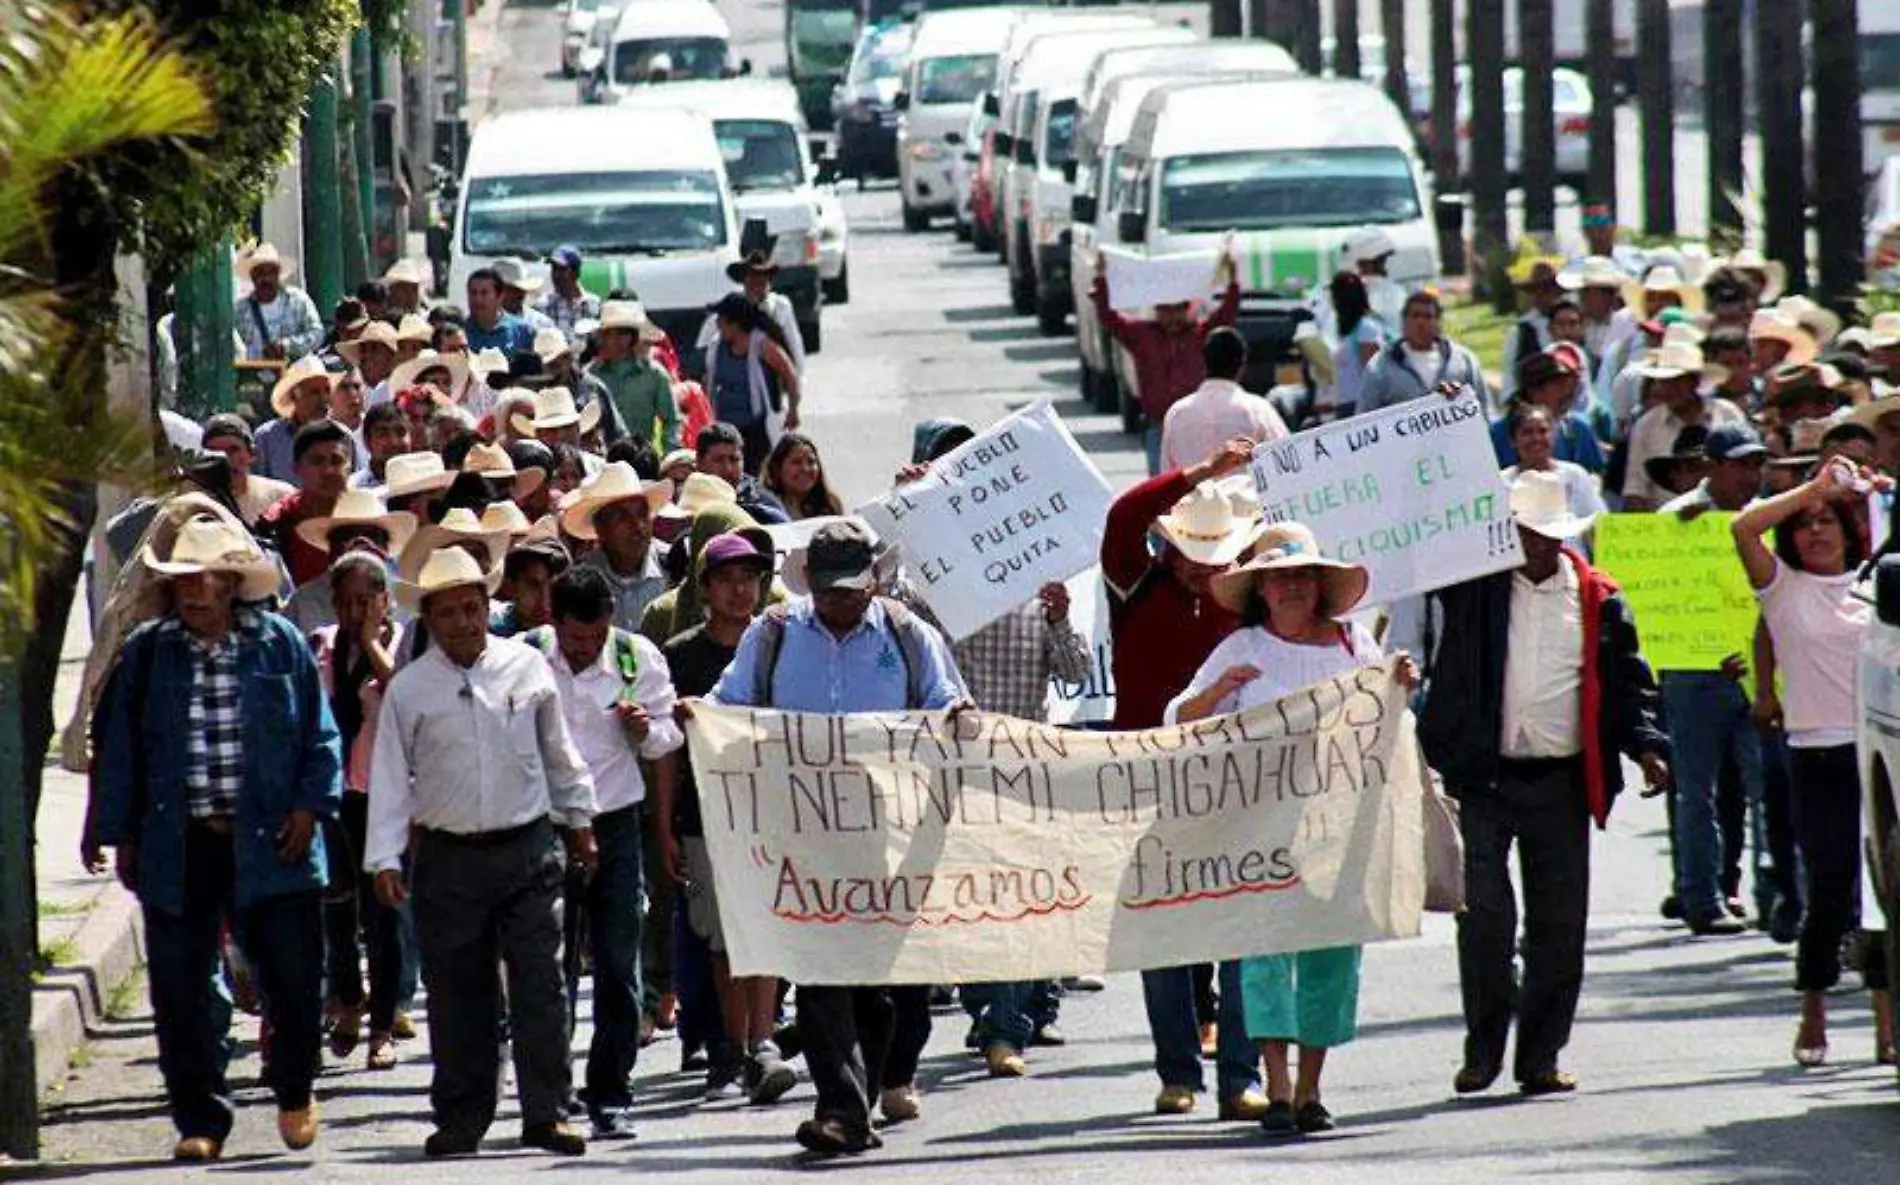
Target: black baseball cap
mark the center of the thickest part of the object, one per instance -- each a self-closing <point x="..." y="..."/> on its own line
<point x="841" y="555"/>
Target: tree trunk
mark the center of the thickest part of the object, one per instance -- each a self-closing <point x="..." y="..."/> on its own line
<point x="1722" y="90"/>
<point x="1536" y="50"/>
<point x="1778" y="104"/>
<point x="1839" y="177"/>
<point x="1450" y="215"/>
<point x="1484" y="47"/>
<point x="1392" y="28"/>
<point x="1346" y="38"/>
<point x="1601" y="66"/>
<point x="1656" y="97"/>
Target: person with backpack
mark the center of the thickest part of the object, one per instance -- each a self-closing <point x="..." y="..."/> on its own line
<point x="843" y="649"/>
<point x="617" y="697"/>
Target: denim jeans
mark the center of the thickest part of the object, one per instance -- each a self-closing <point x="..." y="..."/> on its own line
<point x="1169" y="996"/>
<point x="613" y="938"/>
<point x="282" y="937"/>
<point x="1151" y="445"/>
<point x="1010" y="1013"/>
<point x="1708" y="721"/>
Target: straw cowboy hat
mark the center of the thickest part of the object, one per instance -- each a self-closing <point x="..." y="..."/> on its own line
<point x="1775" y="325"/>
<point x="457" y="526"/>
<point x="414" y="327"/>
<point x="886" y="557"/>
<point x="1283" y="547"/>
<point x="757" y="262"/>
<point x="1883" y="332"/>
<point x="629" y="314"/>
<point x="554" y="408"/>
<point x="305" y="369"/>
<point x="1677" y="358"/>
<point x="359" y="508"/>
<point x="515" y="274"/>
<point x="616" y="482"/>
<point x="210" y="544"/>
<point x="1886" y="402"/>
<point x="1772" y="272"/>
<point x="1533" y="268"/>
<point x="550" y="344"/>
<point x="1207" y="528"/>
<point x="699" y="492"/>
<point x="443" y="570"/>
<point x="493" y="462"/>
<point x="1598" y="271"/>
<point x="1540" y="503"/>
<point x="376" y="333"/>
<point x="456" y="364"/>
<point x="679" y="456"/>
<point x="406" y="474"/>
<point x="506" y="517"/>
<point x="1663" y="278"/>
<point x="486" y="362"/>
<point x="1823" y="324"/>
<point x="266" y="255"/>
<point x="403" y="271"/>
<point x="1796" y="380"/>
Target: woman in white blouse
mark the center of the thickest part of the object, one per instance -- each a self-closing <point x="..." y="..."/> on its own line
<point x="1290" y="599"/>
<point x="1806" y="589"/>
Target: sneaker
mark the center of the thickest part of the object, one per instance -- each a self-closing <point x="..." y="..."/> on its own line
<point x="1174" y="1100"/>
<point x="612" y="1123"/>
<point x="769" y="1079"/>
<point x="900" y="1104"/>
<point x="1005" y="1062"/>
<point x="1049" y="1035"/>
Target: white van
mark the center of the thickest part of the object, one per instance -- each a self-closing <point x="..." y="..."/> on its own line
<point x="762" y="134"/>
<point x="641" y="194"/>
<point x="1056" y="66"/>
<point x="953" y="57"/>
<point x="1335" y="156"/>
<point x="1879" y="84"/>
<point x="656" y="41"/>
<point x="1105" y="125"/>
<point x="1879" y="752"/>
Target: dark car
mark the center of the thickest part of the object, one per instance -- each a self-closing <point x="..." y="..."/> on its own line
<point x="862" y="103"/>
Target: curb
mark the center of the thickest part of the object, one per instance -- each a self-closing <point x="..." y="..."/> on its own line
<point x="70" y="1001"/>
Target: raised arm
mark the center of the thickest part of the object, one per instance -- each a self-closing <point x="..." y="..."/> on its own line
<point x="1834" y="481"/>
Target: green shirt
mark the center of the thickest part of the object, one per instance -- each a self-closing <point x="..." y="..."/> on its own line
<point x="643" y="395"/>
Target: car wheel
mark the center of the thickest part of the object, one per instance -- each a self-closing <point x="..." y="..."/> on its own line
<point x="838" y="291"/>
<point x="1052" y="318"/>
<point x="915" y="220"/>
<point x="811" y="332"/>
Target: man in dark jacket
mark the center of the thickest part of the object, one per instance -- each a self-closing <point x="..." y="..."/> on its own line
<point x="1536" y="685"/>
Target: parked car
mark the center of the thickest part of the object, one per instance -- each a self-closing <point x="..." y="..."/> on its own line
<point x="1571" y="105"/>
<point x="952" y="64"/>
<point x="971" y="188"/>
<point x="863" y="104"/>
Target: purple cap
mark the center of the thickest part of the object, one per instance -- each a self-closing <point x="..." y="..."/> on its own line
<point x="731" y="548"/>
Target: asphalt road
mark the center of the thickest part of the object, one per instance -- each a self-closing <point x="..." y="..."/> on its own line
<point x="1682" y="1045"/>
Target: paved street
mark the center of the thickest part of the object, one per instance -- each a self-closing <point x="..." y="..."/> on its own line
<point x="1683" y="1045"/>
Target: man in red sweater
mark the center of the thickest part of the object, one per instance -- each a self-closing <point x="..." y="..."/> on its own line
<point x="1163" y="624"/>
<point x="1167" y="350"/>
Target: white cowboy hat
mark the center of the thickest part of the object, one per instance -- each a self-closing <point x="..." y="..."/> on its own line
<point x="1660" y="279"/>
<point x="1821" y="323"/>
<point x="1291" y="545"/>
<point x="1366" y="244"/>
<point x="1886" y="402"/>
<point x="376" y="333"/>
<point x="303" y="370"/>
<point x="795" y="572"/>
<point x="698" y="492"/>
<point x="1207" y="528"/>
<point x="629" y="314"/>
<point x="457" y="526"/>
<point x="1599" y="271"/>
<point x="359" y="508"/>
<point x="448" y="568"/>
<point x="506" y="517"/>
<point x="550" y="344"/>
<point x="493" y="462"/>
<point x="1855" y="337"/>
<point x="266" y="255"/>
<point x="1540" y="503"/>
<point x="403" y="271"/>
<point x="486" y="362"/>
<point x="1775" y="325"/>
<point x="456" y="364"/>
<point x="515" y="274"/>
<point x="414" y="327"/>
<point x="679" y="456"/>
<point x="554" y="408"/>
<point x="616" y="482"/>
<point x="1774" y="273"/>
<point x="415" y="473"/>
<point x="1883" y="332"/>
<point x="1677" y="358"/>
<point x="211" y="544"/>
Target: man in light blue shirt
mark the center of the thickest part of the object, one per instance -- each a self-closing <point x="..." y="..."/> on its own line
<point x="491" y="326"/>
<point x="842" y="650"/>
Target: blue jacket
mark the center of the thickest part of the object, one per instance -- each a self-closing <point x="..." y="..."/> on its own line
<point x="292" y="760"/>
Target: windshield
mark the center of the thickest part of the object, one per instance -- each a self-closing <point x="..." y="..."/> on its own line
<point x="957" y="79"/>
<point x="1058" y="146"/>
<point x="1269" y="190"/>
<point x="678" y="59"/>
<point x="632" y="213"/>
<point x="760" y="154"/>
<point x="1880" y="61"/>
<point x="881" y="56"/>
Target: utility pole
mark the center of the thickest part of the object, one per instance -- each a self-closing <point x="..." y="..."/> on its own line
<point x="1392" y="26"/>
<point x="322" y="198"/>
<point x="1346" y="38"/>
<point x="201" y="330"/>
<point x="1600" y="64"/>
<point x="19" y="1085"/>
<point x="1223" y="18"/>
<point x="1839" y="176"/>
<point x="1484" y="47"/>
<point x="1537" y="51"/>
<point x="1450" y="214"/>
<point x="1778" y="103"/>
<point x="1655" y="88"/>
<point x="1722" y="91"/>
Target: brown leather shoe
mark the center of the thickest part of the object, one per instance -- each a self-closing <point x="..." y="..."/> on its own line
<point x="830" y="1137"/>
<point x="1249" y="1106"/>
<point x="557" y="1138"/>
<point x="1549" y="1082"/>
<point x="1475" y="1079"/>
<point x="900" y="1104"/>
<point x="197" y="1150"/>
<point x="298" y="1128"/>
<point x="1005" y="1062"/>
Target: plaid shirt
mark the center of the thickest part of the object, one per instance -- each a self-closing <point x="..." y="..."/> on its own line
<point x="293" y="321"/>
<point x="565" y="313"/>
<point x="1007" y="665"/>
<point x="214" y="720"/>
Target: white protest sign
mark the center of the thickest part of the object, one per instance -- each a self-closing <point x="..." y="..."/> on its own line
<point x="1412" y="492"/>
<point x="1093" y="700"/>
<point x="908" y="848"/>
<point x="1137" y="280"/>
<point x="997" y="518"/>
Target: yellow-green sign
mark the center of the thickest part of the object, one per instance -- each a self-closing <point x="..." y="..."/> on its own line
<point x="1692" y="601"/>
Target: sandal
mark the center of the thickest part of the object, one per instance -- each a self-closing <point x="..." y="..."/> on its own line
<point x="382" y="1052"/>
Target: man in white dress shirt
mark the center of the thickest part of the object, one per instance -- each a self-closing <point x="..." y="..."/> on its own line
<point x="1219" y="409"/>
<point x="617" y="696"/>
<point x="472" y="752"/>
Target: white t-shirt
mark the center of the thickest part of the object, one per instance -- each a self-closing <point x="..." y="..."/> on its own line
<point x="1817" y="625"/>
<point x="1426" y="362"/>
<point x="1284" y="666"/>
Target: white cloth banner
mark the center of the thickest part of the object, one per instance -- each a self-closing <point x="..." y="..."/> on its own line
<point x="1093" y="700"/>
<point x="996" y="519"/>
<point x="1137" y="280"/>
<point x="1412" y="492"/>
<point x="910" y="848"/>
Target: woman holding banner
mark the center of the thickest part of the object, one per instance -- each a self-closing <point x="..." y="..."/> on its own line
<point x="1291" y="600"/>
